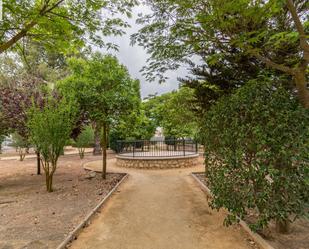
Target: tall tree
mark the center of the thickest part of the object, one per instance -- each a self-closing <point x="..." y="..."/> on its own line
<point x="271" y="33"/>
<point x="104" y="90"/>
<point x="61" y="25"/>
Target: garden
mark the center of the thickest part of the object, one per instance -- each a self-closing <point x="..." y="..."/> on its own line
<point x="83" y="151"/>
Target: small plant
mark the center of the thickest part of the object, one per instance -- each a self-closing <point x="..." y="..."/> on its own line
<point x="50" y="128"/>
<point x="84" y="140"/>
<point x="21" y="145"/>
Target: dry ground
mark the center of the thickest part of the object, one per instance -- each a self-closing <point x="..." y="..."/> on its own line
<point x="298" y="238"/>
<point x="31" y="217"/>
<point x="160" y="209"/>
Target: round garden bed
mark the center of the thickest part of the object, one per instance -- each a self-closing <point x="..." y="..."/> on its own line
<point x="165" y="154"/>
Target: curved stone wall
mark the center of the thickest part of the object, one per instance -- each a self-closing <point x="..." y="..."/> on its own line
<point x="157" y="162"/>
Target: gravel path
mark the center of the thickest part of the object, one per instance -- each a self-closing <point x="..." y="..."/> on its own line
<point x="160" y="209"/>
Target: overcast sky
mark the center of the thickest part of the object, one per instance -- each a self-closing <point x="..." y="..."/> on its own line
<point x="134" y="58"/>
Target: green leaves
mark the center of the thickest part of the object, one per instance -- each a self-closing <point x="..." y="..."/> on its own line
<point x="257" y="153"/>
<point x="61" y="25"/>
<point x="102" y="87"/>
<point x="51" y="125"/>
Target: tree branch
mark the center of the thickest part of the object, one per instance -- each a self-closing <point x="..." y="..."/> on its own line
<point x="302" y="35"/>
<point x="28" y="26"/>
<point x="272" y="64"/>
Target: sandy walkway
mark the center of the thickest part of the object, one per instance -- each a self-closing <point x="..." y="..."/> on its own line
<point x="160" y="209"/>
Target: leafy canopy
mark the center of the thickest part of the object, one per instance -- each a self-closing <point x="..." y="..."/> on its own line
<point x="61" y="25"/>
<point x="272" y="33"/>
<point x="257" y="153"/>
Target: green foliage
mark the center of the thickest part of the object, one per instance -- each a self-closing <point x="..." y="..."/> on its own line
<point x="84" y="140"/>
<point x="62" y="25"/>
<point x="256" y="148"/>
<point x="233" y="39"/>
<point x="50" y="127"/>
<point x="102" y="87"/>
<point x="21" y="144"/>
<point x="174" y="112"/>
<point x="104" y="90"/>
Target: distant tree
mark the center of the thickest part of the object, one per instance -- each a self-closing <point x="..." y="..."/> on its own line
<point x="84" y="140"/>
<point x="174" y="112"/>
<point x="50" y="127"/>
<point x="61" y="25"/>
<point x="104" y="90"/>
<point x="21" y="144"/>
<point x="257" y="154"/>
<point x="16" y="97"/>
<point x="3" y="128"/>
<point x="179" y="118"/>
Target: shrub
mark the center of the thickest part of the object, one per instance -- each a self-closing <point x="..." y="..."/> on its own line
<point x="50" y="128"/>
<point x="21" y="145"/>
<point x="256" y="148"/>
<point x="84" y="140"/>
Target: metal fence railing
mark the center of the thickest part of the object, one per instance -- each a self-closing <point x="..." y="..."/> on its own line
<point x="165" y="148"/>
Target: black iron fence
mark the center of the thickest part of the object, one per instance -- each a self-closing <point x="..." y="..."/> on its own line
<point x="165" y="148"/>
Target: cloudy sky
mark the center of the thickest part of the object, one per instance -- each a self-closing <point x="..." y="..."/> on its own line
<point x="134" y="58"/>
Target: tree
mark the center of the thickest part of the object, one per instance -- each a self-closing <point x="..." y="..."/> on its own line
<point x="104" y="90"/>
<point x="16" y="97"/>
<point x="179" y="118"/>
<point x="3" y="128"/>
<point x="61" y="25"/>
<point x="84" y="140"/>
<point x="174" y="112"/>
<point x="257" y="154"/>
<point x="271" y="33"/>
<point x="50" y="127"/>
<point x="21" y="144"/>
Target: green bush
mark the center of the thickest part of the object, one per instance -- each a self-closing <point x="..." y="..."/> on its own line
<point x="256" y="148"/>
<point x="84" y="140"/>
<point x="50" y="128"/>
<point x="21" y="145"/>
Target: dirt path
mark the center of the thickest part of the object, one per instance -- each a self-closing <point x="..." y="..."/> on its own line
<point x="160" y="210"/>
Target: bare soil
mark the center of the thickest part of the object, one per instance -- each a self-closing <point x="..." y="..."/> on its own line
<point x="32" y="218"/>
<point x="160" y="209"/>
<point x="297" y="238"/>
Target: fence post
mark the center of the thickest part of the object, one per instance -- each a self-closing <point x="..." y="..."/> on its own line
<point x="183" y="146"/>
<point x="133" y="148"/>
<point x="196" y="147"/>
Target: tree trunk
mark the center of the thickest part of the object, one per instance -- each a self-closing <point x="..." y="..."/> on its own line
<point x="97" y="147"/>
<point x="38" y="163"/>
<point x="301" y="85"/>
<point x="49" y="183"/>
<point x="104" y="147"/>
<point x="282" y="226"/>
<point x="81" y="152"/>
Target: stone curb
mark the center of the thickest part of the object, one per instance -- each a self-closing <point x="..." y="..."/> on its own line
<point x="256" y="237"/>
<point x="72" y="235"/>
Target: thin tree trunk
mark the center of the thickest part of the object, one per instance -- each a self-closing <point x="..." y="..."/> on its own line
<point x="50" y="183"/>
<point x="97" y="147"/>
<point x="104" y="147"/>
<point x="81" y="152"/>
<point x="38" y="163"/>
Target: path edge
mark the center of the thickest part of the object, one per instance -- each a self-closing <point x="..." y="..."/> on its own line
<point x="73" y="234"/>
<point x="256" y="237"/>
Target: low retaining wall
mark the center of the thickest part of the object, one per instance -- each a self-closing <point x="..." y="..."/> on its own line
<point x="157" y="162"/>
